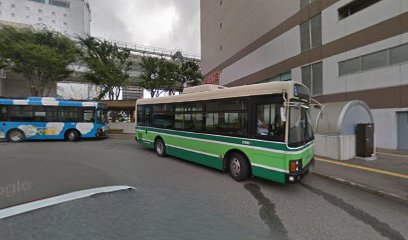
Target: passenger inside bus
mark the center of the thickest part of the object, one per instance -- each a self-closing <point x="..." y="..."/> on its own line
<point x="262" y="127"/>
<point x="269" y="121"/>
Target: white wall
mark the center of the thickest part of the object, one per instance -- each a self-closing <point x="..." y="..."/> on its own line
<point x="283" y="47"/>
<point x="242" y="23"/>
<point x="372" y="79"/>
<point x="333" y="28"/>
<point x="385" y="125"/>
<point x="127" y="127"/>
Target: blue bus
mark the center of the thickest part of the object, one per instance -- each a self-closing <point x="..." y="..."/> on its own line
<point x="37" y="118"/>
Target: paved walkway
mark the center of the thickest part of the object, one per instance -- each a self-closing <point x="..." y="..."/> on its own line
<point x="387" y="176"/>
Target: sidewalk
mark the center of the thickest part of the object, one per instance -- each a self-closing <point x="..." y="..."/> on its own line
<point x="386" y="176"/>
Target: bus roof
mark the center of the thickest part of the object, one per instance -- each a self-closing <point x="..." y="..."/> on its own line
<point x="240" y="91"/>
<point x="47" y="101"/>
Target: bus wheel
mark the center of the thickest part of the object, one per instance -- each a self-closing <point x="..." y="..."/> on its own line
<point x="15" y="135"/>
<point x="72" y="135"/>
<point x="160" y="147"/>
<point x="238" y="167"/>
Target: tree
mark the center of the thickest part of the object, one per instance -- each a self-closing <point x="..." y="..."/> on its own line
<point x="165" y="75"/>
<point x="189" y="73"/>
<point x="42" y="57"/>
<point x="108" y="66"/>
<point x="158" y="75"/>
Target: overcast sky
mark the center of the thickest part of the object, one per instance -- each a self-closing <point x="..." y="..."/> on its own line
<point x="171" y="24"/>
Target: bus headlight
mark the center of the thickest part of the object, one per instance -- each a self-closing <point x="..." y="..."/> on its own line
<point x="2" y="135"/>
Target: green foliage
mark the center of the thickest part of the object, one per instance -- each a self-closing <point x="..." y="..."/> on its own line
<point x="190" y="75"/>
<point x="157" y="75"/>
<point x="162" y="75"/>
<point x="43" y="57"/>
<point x="108" y="66"/>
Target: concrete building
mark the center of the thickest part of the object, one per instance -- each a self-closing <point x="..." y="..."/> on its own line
<point x="70" y="17"/>
<point x="342" y="49"/>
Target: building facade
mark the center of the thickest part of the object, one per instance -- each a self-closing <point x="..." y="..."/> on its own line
<point x="72" y="18"/>
<point x="341" y="49"/>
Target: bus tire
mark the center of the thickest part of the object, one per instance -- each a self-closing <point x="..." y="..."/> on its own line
<point x="72" y="135"/>
<point x="160" y="147"/>
<point x="15" y="136"/>
<point x="238" y="166"/>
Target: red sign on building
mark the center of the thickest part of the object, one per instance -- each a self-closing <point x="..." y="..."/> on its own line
<point x="213" y="78"/>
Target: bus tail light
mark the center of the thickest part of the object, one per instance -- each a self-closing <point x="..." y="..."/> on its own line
<point x="295" y="166"/>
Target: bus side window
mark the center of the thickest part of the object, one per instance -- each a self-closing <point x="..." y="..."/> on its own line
<point x="39" y="114"/>
<point x="140" y="116"/>
<point x="20" y="113"/>
<point x="69" y="114"/>
<point x="88" y="115"/>
<point x="45" y="114"/>
<point x="3" y="113"/>
<point x="227" y="117"/>
<point x="269" y="122"/>
<point x="148" y="116"/>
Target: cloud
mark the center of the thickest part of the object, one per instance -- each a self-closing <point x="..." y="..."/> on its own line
<point x="170" y="24"/>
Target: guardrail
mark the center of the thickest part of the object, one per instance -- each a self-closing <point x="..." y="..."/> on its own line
<point x="156" y="51"/>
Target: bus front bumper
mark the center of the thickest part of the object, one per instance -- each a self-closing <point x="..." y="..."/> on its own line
<point x="2" y="135"/>
<point x="296" y="177"/>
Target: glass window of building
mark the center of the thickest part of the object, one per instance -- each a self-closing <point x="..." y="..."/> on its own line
<point x="311" y="33"/>
<point x="374" y="60"/>
<point x="59" y="3"/>
<point x="399" y="54"/>
<point x="354" y="7"/>
<point x="312" y="77"/>
<point x="384" y="58"/>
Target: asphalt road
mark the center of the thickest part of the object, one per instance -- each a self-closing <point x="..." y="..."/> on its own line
<point x="175" y="199"/>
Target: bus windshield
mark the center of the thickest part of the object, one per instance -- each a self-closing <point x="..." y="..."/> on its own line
<point x="300" y="129"/>
<point x="102" y="116"/>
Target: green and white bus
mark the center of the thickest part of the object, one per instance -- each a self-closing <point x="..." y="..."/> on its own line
<point x="260" y="130"/>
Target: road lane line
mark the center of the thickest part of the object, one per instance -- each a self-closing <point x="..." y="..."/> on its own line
<point x="31" y="206"/>
<point x="394" y="174"/>
<point x="393" y="154"/>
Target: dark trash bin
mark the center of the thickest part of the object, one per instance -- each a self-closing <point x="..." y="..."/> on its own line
<point x="365" y="140"/>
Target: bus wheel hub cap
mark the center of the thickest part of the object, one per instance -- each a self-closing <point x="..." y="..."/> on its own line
<point x="235" y="167"/>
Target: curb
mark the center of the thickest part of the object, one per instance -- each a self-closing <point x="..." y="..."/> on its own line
<point x="121" y="134"/>
<point x="363" y="187"/>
